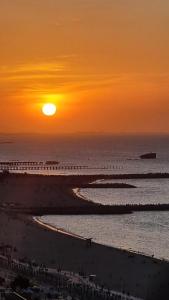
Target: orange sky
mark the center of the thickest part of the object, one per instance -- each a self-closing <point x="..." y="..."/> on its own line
<point x="105" y="63"/>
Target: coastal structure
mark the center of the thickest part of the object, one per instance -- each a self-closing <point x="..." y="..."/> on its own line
<point x="151" y="155"/>
<point x="115" y="269"/>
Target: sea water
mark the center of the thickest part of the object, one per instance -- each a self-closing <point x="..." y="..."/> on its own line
<point x="101" y="154"/>
<point x="142" y="231"/>
<point x="146" y="191"/>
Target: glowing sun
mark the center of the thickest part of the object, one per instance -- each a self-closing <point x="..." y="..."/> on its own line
<point x="49" y="109"/>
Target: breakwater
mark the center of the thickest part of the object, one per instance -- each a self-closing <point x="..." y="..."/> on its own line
<point x="40" y="195"/>
<point x="23" y="195"/>
<point x="94" y="209"/>
<point x="108" y="186"/>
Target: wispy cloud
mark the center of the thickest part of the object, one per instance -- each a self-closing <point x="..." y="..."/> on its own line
<point x="30" y="69"/>
<point x="64" y="77"/>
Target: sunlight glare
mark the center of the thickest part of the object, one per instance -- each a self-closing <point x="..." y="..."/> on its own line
<point x="49" y="109"/>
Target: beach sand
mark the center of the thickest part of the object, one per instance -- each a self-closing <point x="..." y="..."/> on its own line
<point x="120" y="270"/>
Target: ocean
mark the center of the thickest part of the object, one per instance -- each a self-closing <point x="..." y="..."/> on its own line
<point x="145" y="232"/>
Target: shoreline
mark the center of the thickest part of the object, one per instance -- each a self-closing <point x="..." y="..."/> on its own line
<point x="77" y="193"/>
<point x="55" y="229"/>
<point x="63" y="231"/>
<point x="115" y="268"/>
<point x="41" y="191"/>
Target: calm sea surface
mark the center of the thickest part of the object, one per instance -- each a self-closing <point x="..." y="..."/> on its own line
<point x="145" y="232"/>
<point x="142" y="232"/>
<point x="119" y="154"/>
<point x="147" y="191"/>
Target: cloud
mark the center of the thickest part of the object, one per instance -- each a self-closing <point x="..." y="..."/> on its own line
<point x="30" y="69"/>
<point x="30" y="80"/>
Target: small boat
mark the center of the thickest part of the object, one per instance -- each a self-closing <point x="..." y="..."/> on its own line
<point x="151" y="155"/>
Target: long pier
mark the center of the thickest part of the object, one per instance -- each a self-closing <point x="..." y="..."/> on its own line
<point x="48" y="165"/>
<point x="39" y="167"/>
<point x="21" y="163"/>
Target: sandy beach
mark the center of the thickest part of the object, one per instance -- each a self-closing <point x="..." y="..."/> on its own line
<point x="120" y="270"/>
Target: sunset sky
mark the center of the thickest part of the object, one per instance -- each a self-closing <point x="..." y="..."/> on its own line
<point x="104" y="63"/>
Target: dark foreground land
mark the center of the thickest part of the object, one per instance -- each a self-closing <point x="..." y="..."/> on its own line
<point x="45" y="195"/>
<point x="23" y="196"/>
